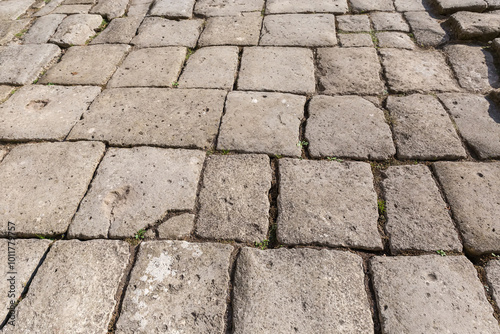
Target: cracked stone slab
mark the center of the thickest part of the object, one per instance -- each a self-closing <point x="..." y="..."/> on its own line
<point x="48" y="8"/>
<point x="157" y="31"/>
<point x="262" y="123"/>
<point x="21" y="64"/>
<point x="177" y="227"/>
<point x="355" y="40"/>
<point x="12" y="9"/>
<point x="431" y="294"/>
<point x="423" y="129"/>
<point x="174" y="117"/>
<point x="76" y="29"/>
<point x="173" y="8"/>
<point x="354" y="23"/>
<point x="412" y="5"/>
<point x="5" y="92"/>
<point x="227" y="7"/>
<point x="177" y="286"/>
<point x="349" y="71"/>
<point x="151" y="67"/>
<point x="478" y="121"/>
<point x="243" y="29"/>
<point x="139" y="8"/>
<point x="9" y="29"/>
<point x="344" y="213"/>
<point x="397" y="40"/>
<point x="469" y="25"/>
<point x="493" y="277"/>
<point x="43" y="184"/>
<point x="72" y="9"/>
<point x="472" y="191"/>
<point x="417" y="216"/>
<point x="426" y="29"/>
<point x="300" y="291"/>
<point x="118" y="31"/>
<point x="281" y="69"/>
<point x="361" y="6"/>
<point x="233" y="198"/>
<point x="110" y="8"/>
<point x="452" y="6"/>
<point x="77" y="279"/>
<point x="389" y="21"/>
<point x="349" y="127"/>
<point x="134" y="188"/>
<point x="38" y="112"/>
<point x="86" y="65"/>
<point x="311" y="6"/>
<point x="43" y="29"/>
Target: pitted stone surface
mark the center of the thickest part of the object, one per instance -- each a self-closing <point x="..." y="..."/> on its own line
<point x="173" y="8"/>
<point x="411" y="5"/>
<point x="311" y="6"/>
<point x="468" y="25"/>
<point x="472" y="191"/>
<point x="493" y="276"/>
<point x="76" y="29"/>
<point x="348" y="126"/>
<point x="389" y="21"/>
<point x="72" y="9"/>
<point x="243" y="29"/>
<point x="354" y="23"/>
<point x="5" y="92"/>
<point x="139" y="8"/>
<point x="157" y="31"/>
<point x="110" y="8"/>
<point x="12" y="9"/>
<point x="397" y="40"/>
<point x="327" y="203"/>
<point x="355" y="40"/>
<point x="227" y="7"/>
<point x="452" y="6"/>
<point x="43" y="28"/>
<point x="44" y="183"/>
<point x="262" y="123"/>
<point x="361" y="6"/>
<point x="119" y="31"/>
<point x="233" y="198"/>
<point x="431" y="294"/>
<point x="177" y="227"/>
<point x="178" y="286"/>
<point x="9" y="30"/>
<point x="48" y="8"/>
<point x="426" y="29"/>
<point x="300" y="291"/>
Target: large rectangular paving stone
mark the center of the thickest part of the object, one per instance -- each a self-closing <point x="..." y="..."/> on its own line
<point x="361" y="6"/>
<point x="300" y="291"/>
<point x="173" y="8"/>
<point x="311" y="6"/>
<point x="153" y="116"/>
<point x="243" y="29"/>
<point x="74" y="289"/>
<point x="43" y="28"/>
<point x="412" y="5"/>
<point x="452" y="6"/>
<point x="227" y="7"/>
<point x="389" y="21"/>
<point x="110" y="8"/>
<point x="12" y="9"/>
<point x="431" y="294"/>
<point x="426" y="29"/>
<point x="177" y="287"/>
<point x="43" y="185"/>
<point x="11" y="29"/>
<point x="398" y="40"/>
<point x="472" y="189"/>
<point x="233" y="200"/>
<point x="493" y="277"/>
<point x="134" y="188"/>
<point x="327" y="203"/>
<point x="157" y="31"/>
<point x="38" y="112"/>
<point x="469" y="25"/>
<point x="76" y="30"/>
<point x="118" y="31"/>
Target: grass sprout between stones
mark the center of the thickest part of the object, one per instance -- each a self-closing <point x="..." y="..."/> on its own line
<point x="140" y="234"/>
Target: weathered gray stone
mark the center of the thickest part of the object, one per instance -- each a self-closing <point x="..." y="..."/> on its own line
<point x="110" y="8"/>
<point x="3" y="153"/>
<point x="38" y="112"/>
<point x="233" y="198"/>
<point x="327" y="203"/>
<point x="417" y="71"/>
<point x="21" y="64"/>
<point x="72" y="9"/>
<point x="411" y="5"/>
<point x="355" y="40"/>
<point x="177" y="227"/>
<point x="493" y="276"/>
<point x="153" y="116"/>
<point x="42" y="196"/>
<point x="242" y="29"/>
<point x="154" y="67"/>
<point x="389" y="21"/>
<point x="134" y="188"/>
<point x="468" y="25"/>
<point x="431" y="294"/>
<point x="177" y="287"/>
<point x="119" y="31"/>
<point x="354" y="23"/>
<point x="426" y="29"/>
<point x="311" y="6"/>
<point x="493" y="4"/>
<point x="349" y="71"/>
<point x="422" y="129"/>
<point x="10" y="29"/>
<point x="398" y="40"/>
<point x="77" y="279"/>
<point x="262" y="123"/>
<point x="227" y="7"/>
<point x="173" y="8"/>
<point x="361" y="6"/>
<point x="48" y="8"/>
<point x="139" y="8"/>
<point x="478" y="121"/>
<point x="86" y="65"/>
<point x="43" y="28"/>
<point x="472" y="191"/>
<point x="300" y="291"/>
<point x="80" y="2"/>
<point x="76" y="29"/>
<point x="452" y="6"/>
<point x="5" y="92"/>
<point x="277" y="69"/>
<point x="12" y="9"/>
<point x="417" y="216"/>
<point x="157" y="31"/>
<point x="211" y="67"/>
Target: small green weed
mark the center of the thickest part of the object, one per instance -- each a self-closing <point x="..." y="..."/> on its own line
<point x="278" y="156"/>
<point x="175" y="84"/>
<point x="334" y="159"/>
<point x="302" y="143"/>
<point x="381" y="206"/>
<point x="189" y="53"/>
<point x="225" y="152"/>
<point x="50" y="84"/>
<point x="495" y="255"/>
<point x="21" y="34"/>
<point x="441" y="252"/>
<point x="140" y="234"/>
<point x="262" y="245"/>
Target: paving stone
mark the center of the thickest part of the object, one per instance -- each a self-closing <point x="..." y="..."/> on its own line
<point x="426" y="29"/>
<point x="76" y="30"/>
<point x="227" y="7"/>
<point x="398" y="40"/>
<point x="155" y="67"/>
<point x="80" y="2"/>
<point x="173" y="8"/>
<point x="353" y="23"/>
<point x="493" y="276"/>
<point x="422" y="129"/>
<point x="157" y="31"/>
<point x="299" y="30"/>
<point x="86" y="65"/>
<point x="483" y="26"/>
<point x="361" y="6"/>
<point x="5" y="92"/>
<point x="139" y="8"/>
<point x="110" y="8"/>
<point x="243" y="29"/>
<point x="389" y="21"/>
<point x="344" y="213"/>
<point x="12" y="9"/>
<point x="177" y="227"/>
<point x="77" y="279"/>
<point x="311" y="6"/>
<point x="9" y="29"/>
<point x="38" y="112"/>
<point x="277" y="69"/>
<point x="130" y="116"/>
<point x="48" y="8"/>
<point x="452" y="6"/>
<point x="179" y="287"/>
<point x="233" y="198"/>
<point x="43" y="28"/>
<point x="411" y="5"/>
<point x="355" y="40"/>
<point x="119" y="31"/>
<point x="417" y="71"/>
<point x="72" y="9"/>
<point x="478" y="121"/>
<point x="3" y="153"/>
<point x="44" y="183"/>
<point x="300" y="291"/>
<point x="417" y="216"/>
<point x="21" y="64"/>
<point x="211" y="67"/>
<point x="349" y="71"/>
<point x="431" y="294"/>
<point x="493" y="4"/>
<point x="262" y="123"/>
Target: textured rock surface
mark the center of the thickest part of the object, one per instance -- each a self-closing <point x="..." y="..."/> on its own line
<point x="157" y="31"/>
<point x="43" y="28"/>
<point x="311" y="6"/>
<point x="411" y="5"/>
<point x="389" y="21"/>
<point x="396" y="40"/>
<point x="76" y="30"/>
<point x="11" y="29"/>
<point x="467" y="25"/>
<point x="227" y="7"/>
<point x="426" y="29"/>
<point x="12" y="9"/>
<point x="177" y="227"/>
<point x="72" y="9"/>
<point x="243" y="29"/>
<point x="354" y="23"/>
<point x="110" y="8"/>
<point x="493" y="276"/>
<point x="355" y="40"/>
<point x="5" y="92"/>
<point x="118" y="31"/>
<point x="452" y="6"/>
<point x="361" y="6"/>
<point x="173" y="8"/>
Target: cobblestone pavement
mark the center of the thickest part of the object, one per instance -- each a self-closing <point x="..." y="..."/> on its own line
<point x="250" y="166"/>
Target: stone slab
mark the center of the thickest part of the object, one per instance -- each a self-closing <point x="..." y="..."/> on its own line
<point x="12" y="9"/>
<point x="227" y="7"/>
<point x="5" y="92"/>
<point x="76" y="30"/>
<point x="72" y="9"/>
<point x="177" y="287"/>
<point x="80" y="2"/>
<point x="472" y="191"/>
<point x="242" y="29"/>
<point x="431" y="294"/>
<point x="311" y="6"/>
<point x="354" y="23"/>
<point x="139" y="8"/>
<point x="493" y="4"/>
<point x="11" y="29"/>
<point x="300" y="291"/>
<point x="262" y="123"/>
<point x="173" y="8"/>
<point x="493" y="277"/>
<point x="43" y="28"/>
<point x="110" y="8"/>
<point x="130" y="116"/>
<point x="482" y="26"/>
<point x="355" y="40"/>
<point x="344" y="213"/>
<point x="389" y="21"/>
<point x="361" y="6"/>
<point x="452" y="6"/>
<point x="426" y="29"/>
<point x="233" y="198"/>
<point x="397" y="40"/>
<point x="412" y="5"/>
<point x="48" y="8"/>
<point x="118" y="31"/>
<point x="177" y="227"/>
<point x="157" y="31"/>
